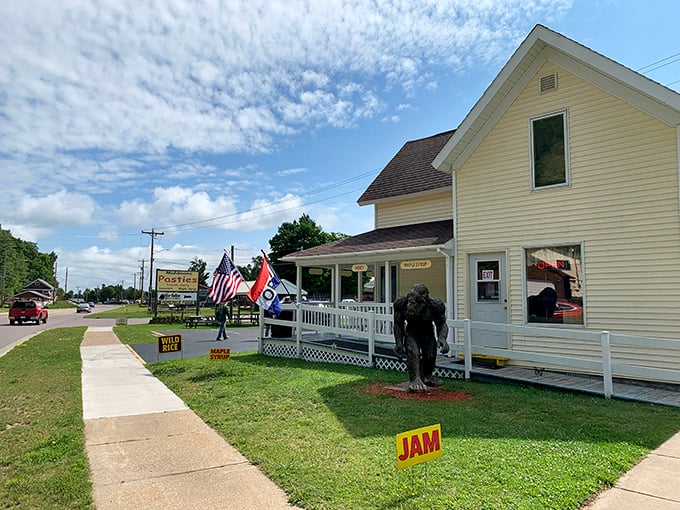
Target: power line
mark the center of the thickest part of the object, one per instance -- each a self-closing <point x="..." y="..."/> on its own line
<point x="644" y="69"/>
<point x="178" y="227"/>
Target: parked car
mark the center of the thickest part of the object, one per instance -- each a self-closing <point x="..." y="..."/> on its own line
<point x="569" y="312"/>
<point x="83" y="308"/>
<point x="27" y="311"/>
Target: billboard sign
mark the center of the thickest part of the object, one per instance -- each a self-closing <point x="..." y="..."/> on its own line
<point x="168" y="280"/>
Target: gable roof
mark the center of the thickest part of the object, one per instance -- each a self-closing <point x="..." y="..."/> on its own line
<point x="39" y="284"/>
<point x="409" y="171"/>
<point x="541" y="45"/>
<point x="377" y="242"/>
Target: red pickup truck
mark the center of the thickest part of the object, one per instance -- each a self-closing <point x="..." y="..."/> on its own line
<point x="27" y="311"/>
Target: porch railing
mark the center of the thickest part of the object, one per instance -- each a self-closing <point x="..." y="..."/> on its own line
<point x="371" y="326"/>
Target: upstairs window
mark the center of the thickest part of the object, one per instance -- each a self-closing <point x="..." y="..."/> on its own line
<point x="549" y="161"/>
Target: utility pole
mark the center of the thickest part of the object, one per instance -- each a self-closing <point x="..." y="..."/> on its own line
<point x="141" y="282"/>
<point x="153" y="234"/>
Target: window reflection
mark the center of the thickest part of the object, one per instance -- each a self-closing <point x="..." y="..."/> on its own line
<point x="554" y="284"/>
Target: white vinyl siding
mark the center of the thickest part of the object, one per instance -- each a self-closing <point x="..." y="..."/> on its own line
<point x="411" y="210"/>
<point x="621" y="203"/>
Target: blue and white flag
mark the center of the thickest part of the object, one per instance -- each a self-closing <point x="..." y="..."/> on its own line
<point x="264" y="291"/>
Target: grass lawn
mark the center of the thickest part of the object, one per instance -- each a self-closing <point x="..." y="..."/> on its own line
<point x="327" y="437"/>
<point x="326" y="433"/>
<point x="42" y="448"/>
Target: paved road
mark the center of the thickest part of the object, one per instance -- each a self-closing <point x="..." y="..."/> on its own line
<point x="195" y="342"/>
<point x="198" y="342"/>
<point x="60" y="318"/>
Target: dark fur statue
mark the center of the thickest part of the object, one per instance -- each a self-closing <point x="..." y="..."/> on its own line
<point x="414" y="335"/>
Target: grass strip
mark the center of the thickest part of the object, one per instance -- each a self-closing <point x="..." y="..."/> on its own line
<point x="42" y="447"/>
<point x="328" y="440"/>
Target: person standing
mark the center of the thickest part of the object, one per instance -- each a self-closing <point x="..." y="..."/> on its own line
<point x="221" y="315"/>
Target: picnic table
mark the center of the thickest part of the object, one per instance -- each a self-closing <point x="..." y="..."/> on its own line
<point x="193" y="321"/>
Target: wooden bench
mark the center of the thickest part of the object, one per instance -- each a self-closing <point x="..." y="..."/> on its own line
<point x="200" y="320"/>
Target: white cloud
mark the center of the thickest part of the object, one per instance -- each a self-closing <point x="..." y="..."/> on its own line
<point x="175" y="206"/>
<point x="291" y="171"/>
<point x="129" y="76"/>
<point x="51" y="211"/>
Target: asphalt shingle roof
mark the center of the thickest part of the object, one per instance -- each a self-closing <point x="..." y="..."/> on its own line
<point x="410" y="170"/>
<point x="434" y="233"/>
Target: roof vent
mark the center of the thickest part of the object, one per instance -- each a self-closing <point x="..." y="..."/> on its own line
<point x="548" y="82"/>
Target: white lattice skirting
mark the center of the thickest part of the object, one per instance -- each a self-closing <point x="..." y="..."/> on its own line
<point x="323" y="354"/>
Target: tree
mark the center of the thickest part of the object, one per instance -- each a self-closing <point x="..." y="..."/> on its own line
<point x="21" y="263"/>
<point x="301" y="235"/>
<point x="250" y="271"/>
<point x="200" y="266"/>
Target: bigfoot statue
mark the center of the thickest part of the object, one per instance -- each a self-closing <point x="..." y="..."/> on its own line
<point x="414" y="335"/>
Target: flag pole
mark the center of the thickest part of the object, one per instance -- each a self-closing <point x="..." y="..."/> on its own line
<point x="277" y="275"/>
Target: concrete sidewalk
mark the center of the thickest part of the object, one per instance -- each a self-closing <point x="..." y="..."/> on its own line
<point x="653" y="484"/>
<point x="146" y="449"/>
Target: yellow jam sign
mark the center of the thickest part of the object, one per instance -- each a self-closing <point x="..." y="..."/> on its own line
<point x="220" y="354"/>
<point x="419" y="445"/>
<point x="169" y="343"/>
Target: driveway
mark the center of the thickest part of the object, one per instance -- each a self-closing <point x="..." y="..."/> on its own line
<point x="198" y="342"/>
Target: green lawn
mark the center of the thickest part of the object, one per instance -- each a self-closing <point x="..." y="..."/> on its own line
<point x="42" y="448"/>
<point x="328" y="441"/>
<point x="324" y="434"/>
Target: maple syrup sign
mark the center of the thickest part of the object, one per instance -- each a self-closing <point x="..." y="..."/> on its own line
<point x="419" y="445"/>
<point x="416" y="264"/>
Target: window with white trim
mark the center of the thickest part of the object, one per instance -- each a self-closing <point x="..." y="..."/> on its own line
<point x="549" y="151"/>
<point x="554" y="284"/>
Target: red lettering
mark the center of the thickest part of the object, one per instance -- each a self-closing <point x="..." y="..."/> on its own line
<point x="431" y="444"/>
<point x="416" y="448"/>
<point x="404" y="455"/>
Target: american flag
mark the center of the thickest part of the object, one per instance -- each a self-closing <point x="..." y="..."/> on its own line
<point x="226" y="280"/>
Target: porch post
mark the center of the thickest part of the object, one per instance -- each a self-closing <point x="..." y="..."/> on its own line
<point x="449" y="295"/>
<point x="338" y="285"/>
<point x="298" y="311"/>
<point x="360" y="287"/>
<point x="388" y="282"/>
<point x="298" y="282"/>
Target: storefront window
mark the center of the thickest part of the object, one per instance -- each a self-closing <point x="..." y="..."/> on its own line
<point x="554" y="284"/>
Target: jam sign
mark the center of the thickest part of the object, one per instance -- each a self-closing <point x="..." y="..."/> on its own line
<point x="419" y="445"/>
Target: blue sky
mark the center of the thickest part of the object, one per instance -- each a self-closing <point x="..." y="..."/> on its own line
<point x="214" y="122"/>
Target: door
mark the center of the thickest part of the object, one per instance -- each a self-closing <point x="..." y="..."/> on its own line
<point x="488" y="298"/>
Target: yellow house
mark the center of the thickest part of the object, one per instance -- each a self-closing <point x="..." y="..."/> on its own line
<point x="560" y="208"/>
<point x="413" y="233"/>
<point x="566" y="177"/>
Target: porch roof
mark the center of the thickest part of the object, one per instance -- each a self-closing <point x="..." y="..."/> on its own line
<point x="380" y="243"/>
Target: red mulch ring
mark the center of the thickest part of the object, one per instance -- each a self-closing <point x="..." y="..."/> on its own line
<point x="431" y="394"/>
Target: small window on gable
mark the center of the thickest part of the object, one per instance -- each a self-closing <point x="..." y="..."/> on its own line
<point x="549" y="154"/>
